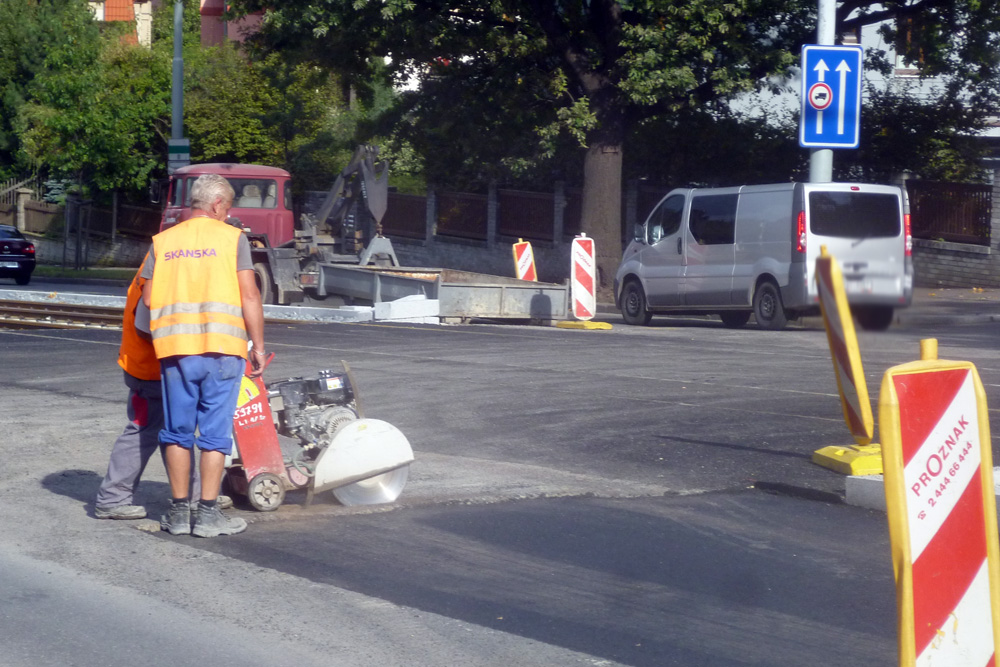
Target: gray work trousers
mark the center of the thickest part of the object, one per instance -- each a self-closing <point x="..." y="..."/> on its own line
<point x="134" y="447"/>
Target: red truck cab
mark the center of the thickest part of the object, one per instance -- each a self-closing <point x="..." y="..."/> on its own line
<point x="263" y="201"/>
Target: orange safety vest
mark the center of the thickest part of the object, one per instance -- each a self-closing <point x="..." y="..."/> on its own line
<point x="195" y="305"/>
<point x="136" y="355"/>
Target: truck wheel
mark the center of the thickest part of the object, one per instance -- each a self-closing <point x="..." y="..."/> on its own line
<point x="634" y="304"/>
<point x="265" y="284"/>
<point x="874" y="318"/>
<point x="767" y="307"/>
<point x="734" y="320"/>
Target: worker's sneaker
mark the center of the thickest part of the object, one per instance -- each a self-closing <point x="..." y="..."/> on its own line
<point x="177" y="520"/>
<point x="224" y="502"/>
<point x="210" y="522"/>
<point x="120" y="512"/>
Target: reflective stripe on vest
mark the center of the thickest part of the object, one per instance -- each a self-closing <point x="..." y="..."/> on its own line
<point x="196" y="306"/>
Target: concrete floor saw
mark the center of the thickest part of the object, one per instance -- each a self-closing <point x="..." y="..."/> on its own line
<point x="362" y="461"/>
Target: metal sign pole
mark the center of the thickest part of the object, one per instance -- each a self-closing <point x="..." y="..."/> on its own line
<point x="821" y="159"/>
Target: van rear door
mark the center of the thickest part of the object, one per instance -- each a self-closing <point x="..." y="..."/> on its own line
<point x="862" y="227"/>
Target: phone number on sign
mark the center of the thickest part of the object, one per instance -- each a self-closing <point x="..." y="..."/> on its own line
<point x="945" y="474"/>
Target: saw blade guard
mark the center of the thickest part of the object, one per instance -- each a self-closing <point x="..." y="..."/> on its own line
<point x="364" y="449"/>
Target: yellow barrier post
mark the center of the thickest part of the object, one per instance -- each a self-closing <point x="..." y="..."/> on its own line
<point x="941" y="507"/>
<point x="863" y="458"/>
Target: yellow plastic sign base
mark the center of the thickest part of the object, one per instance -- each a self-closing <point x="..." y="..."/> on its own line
<point x="852" y="460"/>
<point x="587" y="324"/>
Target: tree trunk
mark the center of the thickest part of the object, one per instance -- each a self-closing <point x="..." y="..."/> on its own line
<point x="602" y="205"/>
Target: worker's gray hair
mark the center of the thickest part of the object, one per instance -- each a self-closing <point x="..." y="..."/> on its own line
<point x="209" y="187"/>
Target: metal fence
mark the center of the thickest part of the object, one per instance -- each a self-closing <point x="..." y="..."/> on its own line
<point x="958" y="212"/>
<point x="406" y="216"/>
<point x="9" y="188"/>
<point x="528" y="215"/>
<point x="462" y="215"/>
<point x="141" y="221"/>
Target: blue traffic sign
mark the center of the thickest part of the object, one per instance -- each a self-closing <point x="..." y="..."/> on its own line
<point x="831" y="97"/>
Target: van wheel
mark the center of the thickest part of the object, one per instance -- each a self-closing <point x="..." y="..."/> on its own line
<point x="262" y="274"/>
<point x="733" y="319"/>
<point x="874" y="318"/>
<point x="634" y="304"/>
<point x="767" y="307"/>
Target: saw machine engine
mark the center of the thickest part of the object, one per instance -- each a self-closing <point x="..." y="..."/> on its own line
<point x="312" y="410"/>
<point x="363" y="461"/>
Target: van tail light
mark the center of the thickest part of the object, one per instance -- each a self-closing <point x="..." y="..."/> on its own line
<point x="908" y="236"/>
<point x="800" y="232"/>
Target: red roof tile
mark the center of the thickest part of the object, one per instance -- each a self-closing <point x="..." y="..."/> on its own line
<point x="118" y="10"/>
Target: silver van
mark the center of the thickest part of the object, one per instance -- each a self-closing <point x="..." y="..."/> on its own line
<point x="752" y="250"/>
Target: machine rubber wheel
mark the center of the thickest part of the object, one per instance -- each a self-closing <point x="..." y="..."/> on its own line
<point x="734" y="319"/>
<point x="266" y="492"/>
<point x="262" y="273"/>
<point x="384" y="488"/>
<point x="767" y="307"/>
<point x="874" y="318"/>
<point x="22" y="278"/>
<point x="634" y="304"/>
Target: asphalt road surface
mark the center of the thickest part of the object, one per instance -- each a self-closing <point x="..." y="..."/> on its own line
<point x="640" y="496"/>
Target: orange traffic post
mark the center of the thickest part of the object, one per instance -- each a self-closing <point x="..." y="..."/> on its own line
<point x="941" y="507"/>
<point x="524" y="261"/>
<point x="583" y="269"/>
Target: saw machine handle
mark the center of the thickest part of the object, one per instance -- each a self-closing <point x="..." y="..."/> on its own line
<point x="267" y="362"/>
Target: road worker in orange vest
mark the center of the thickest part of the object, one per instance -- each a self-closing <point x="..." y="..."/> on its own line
<point x="204" y="306"/>
<point x="144" y="409"/>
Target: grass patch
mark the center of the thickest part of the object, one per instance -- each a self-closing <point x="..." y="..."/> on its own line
<point x="46" y="271"/>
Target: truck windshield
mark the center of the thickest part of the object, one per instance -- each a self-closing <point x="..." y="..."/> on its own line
<point x="250" y="192"/>
<point x="854" y="214"/>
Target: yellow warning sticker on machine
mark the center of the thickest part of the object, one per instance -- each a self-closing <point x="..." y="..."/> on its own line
<point x="248" y="392"/>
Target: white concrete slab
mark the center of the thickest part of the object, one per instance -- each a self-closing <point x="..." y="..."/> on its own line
<point x="416" y="307"/>
<point x="869" y="490"/>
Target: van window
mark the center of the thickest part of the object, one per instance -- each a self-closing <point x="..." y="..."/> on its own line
<point x="666" y="219"/>
<point x="854" y="214"/>
<point x="713" y="219"/>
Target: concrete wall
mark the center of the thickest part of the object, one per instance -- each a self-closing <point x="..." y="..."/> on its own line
<point x="124" y="252"/>
<point x="942" y="264"/>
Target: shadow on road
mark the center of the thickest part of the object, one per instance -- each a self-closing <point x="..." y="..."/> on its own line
<point x="82" y="485"/>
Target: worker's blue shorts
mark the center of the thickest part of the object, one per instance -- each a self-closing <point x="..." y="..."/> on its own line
<point x="200" y="391"/>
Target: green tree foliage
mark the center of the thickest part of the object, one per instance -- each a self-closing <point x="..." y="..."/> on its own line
<point x="29" y="31"/>
<point x="89" y="107"/>
<point x="96" y="109"/>
<point x="266" y="111"/>
<point x="507" y="87"/>
<point x="506" y="82"/>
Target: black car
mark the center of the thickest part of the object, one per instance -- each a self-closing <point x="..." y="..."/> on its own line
<point x="17" y="255"/>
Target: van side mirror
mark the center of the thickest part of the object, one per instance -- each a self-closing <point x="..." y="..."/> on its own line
<point x="639" y="233"/>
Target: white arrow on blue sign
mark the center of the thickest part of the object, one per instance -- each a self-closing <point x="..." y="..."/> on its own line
<point x="831" y="97"/>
